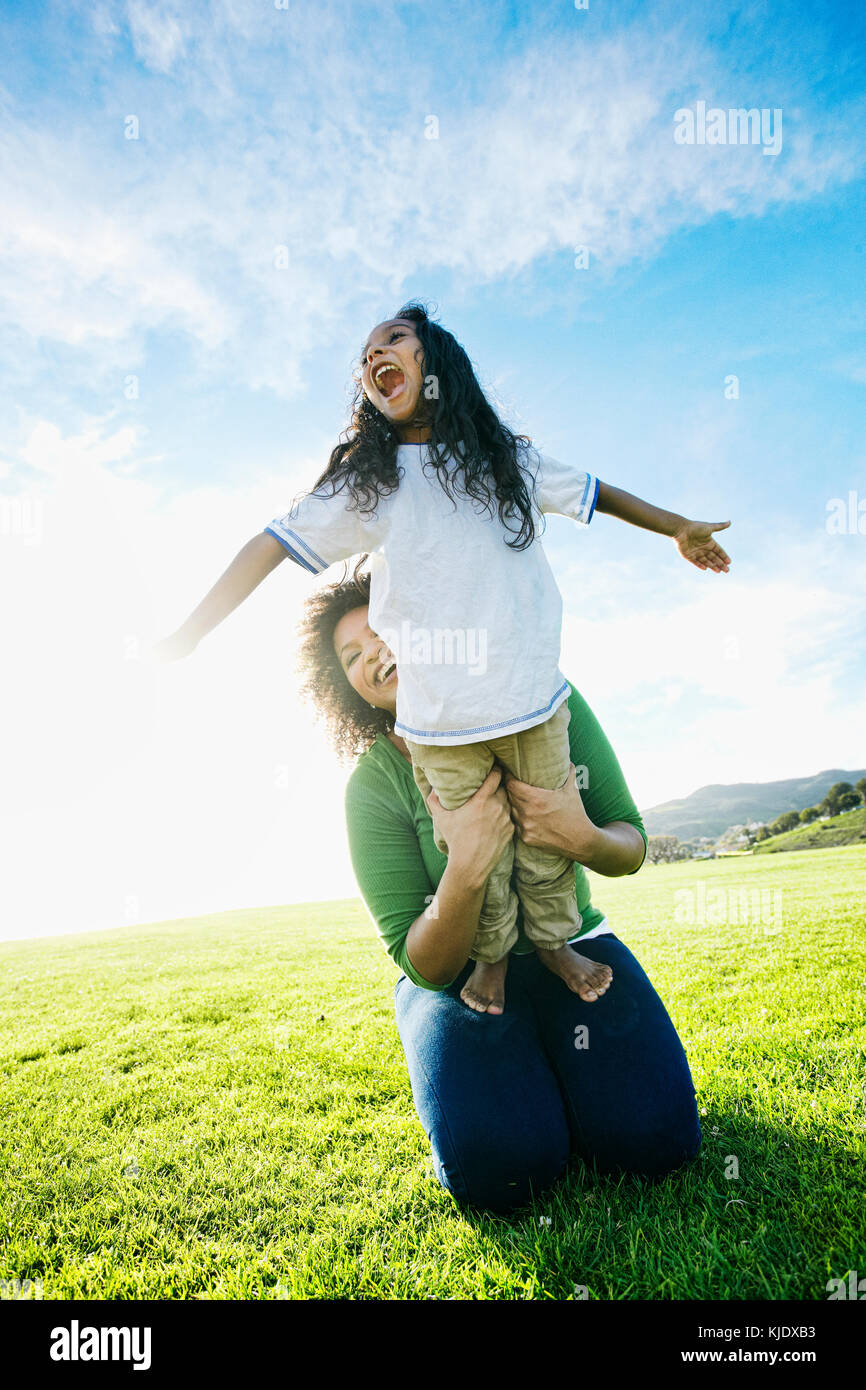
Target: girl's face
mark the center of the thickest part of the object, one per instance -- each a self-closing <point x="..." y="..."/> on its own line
<point x="391" y="375"/>
<point x="366" y="660"/>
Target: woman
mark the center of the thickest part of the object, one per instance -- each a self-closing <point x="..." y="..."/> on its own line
<point x="504" y="1097"/>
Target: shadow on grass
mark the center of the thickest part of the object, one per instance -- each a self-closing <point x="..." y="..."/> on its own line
<point x="762" y="1212"/>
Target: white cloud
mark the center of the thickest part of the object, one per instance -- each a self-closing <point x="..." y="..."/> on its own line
<point x="158" y="33"/>
<point x="753" y="678"/>
<point x="84" y="268"/>
<point x="571" y="144"/>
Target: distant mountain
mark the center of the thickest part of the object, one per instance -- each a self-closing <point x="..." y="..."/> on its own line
<point x="710" y="810"/>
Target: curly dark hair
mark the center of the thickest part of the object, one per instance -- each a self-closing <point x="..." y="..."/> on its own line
<point x="351" y="723"/>
<point x="365" y="461"/>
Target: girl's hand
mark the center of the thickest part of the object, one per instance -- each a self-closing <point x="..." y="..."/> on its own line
<point x="478" y="831"/>
<point x="554" y="820"/>
<point x="175" y="647"/>
<point x="695" y="543"/>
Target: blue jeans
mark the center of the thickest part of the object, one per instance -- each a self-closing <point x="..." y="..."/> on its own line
<point x="506" y="1099"/>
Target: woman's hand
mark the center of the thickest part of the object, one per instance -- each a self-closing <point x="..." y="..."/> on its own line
<point x="554" y="820"/>
<point x="478" y="831"/>
<point x="557" y="820"/>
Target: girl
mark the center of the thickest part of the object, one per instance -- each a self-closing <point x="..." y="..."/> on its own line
<point x="449" y="501"/>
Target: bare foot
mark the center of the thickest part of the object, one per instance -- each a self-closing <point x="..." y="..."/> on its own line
<point x="582" y="975"/>
<point x="484" y="991"/>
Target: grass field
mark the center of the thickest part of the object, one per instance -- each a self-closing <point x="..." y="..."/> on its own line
<point x="846" y="829"/>
<point x="220" y="1109"/>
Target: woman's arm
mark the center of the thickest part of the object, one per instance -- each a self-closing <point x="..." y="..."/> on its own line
<point x="557" y="820"/>
<point x="601" y="829"/>
<point x="476" y="833"/>
<point x="439" y="941"/>
<point x="429" y="944"/>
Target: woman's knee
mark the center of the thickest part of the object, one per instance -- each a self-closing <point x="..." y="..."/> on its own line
<point x="495" y="1180"/>
<point x="494" y="1192"/>
<point x="653" y="1153"/>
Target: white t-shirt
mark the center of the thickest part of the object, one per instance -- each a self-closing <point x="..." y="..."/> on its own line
<point x="475" y="625"/>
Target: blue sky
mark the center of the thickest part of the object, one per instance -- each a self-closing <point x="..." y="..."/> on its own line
<point x="304" y="128"/>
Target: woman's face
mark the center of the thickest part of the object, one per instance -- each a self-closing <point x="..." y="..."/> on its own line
<point x="366" y="659"/>
<point x="391" y="372"/>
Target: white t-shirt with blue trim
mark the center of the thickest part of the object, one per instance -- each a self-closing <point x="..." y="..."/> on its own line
<point x="475" y="626"/>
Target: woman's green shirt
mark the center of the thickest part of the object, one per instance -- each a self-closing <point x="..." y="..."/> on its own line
<point x="395" y="859"/>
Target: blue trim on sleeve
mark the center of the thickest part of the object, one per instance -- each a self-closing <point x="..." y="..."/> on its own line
<point x="593" y="502"/>
<point x="298" y="559"/>
<point x="317" y="559"/>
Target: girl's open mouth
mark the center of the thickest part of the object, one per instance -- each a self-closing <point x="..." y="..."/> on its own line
<point x="389" y="381"/>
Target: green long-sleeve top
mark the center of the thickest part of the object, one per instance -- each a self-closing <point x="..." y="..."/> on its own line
<point x="391" y="838"/>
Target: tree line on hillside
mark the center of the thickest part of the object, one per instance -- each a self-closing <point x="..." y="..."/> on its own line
<point x="842" y="796"/>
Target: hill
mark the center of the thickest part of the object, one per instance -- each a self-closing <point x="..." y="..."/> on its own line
<point x="710" y="810"/>
<point x="848" y="829"/>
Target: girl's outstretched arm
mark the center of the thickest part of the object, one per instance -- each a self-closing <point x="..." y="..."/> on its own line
<point x="694" y="538"/>
<point x="246" y="571"/>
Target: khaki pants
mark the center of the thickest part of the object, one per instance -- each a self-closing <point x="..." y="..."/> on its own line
<point x="543" y="880"/>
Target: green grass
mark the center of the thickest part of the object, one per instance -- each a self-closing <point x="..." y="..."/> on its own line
<point x="220" y="1109"/>
<point x="847" y="829"/>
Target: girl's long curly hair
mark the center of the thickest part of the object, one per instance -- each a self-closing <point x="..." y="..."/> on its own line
<point x="458" y="413"/>
<point x="350" y="722"/>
